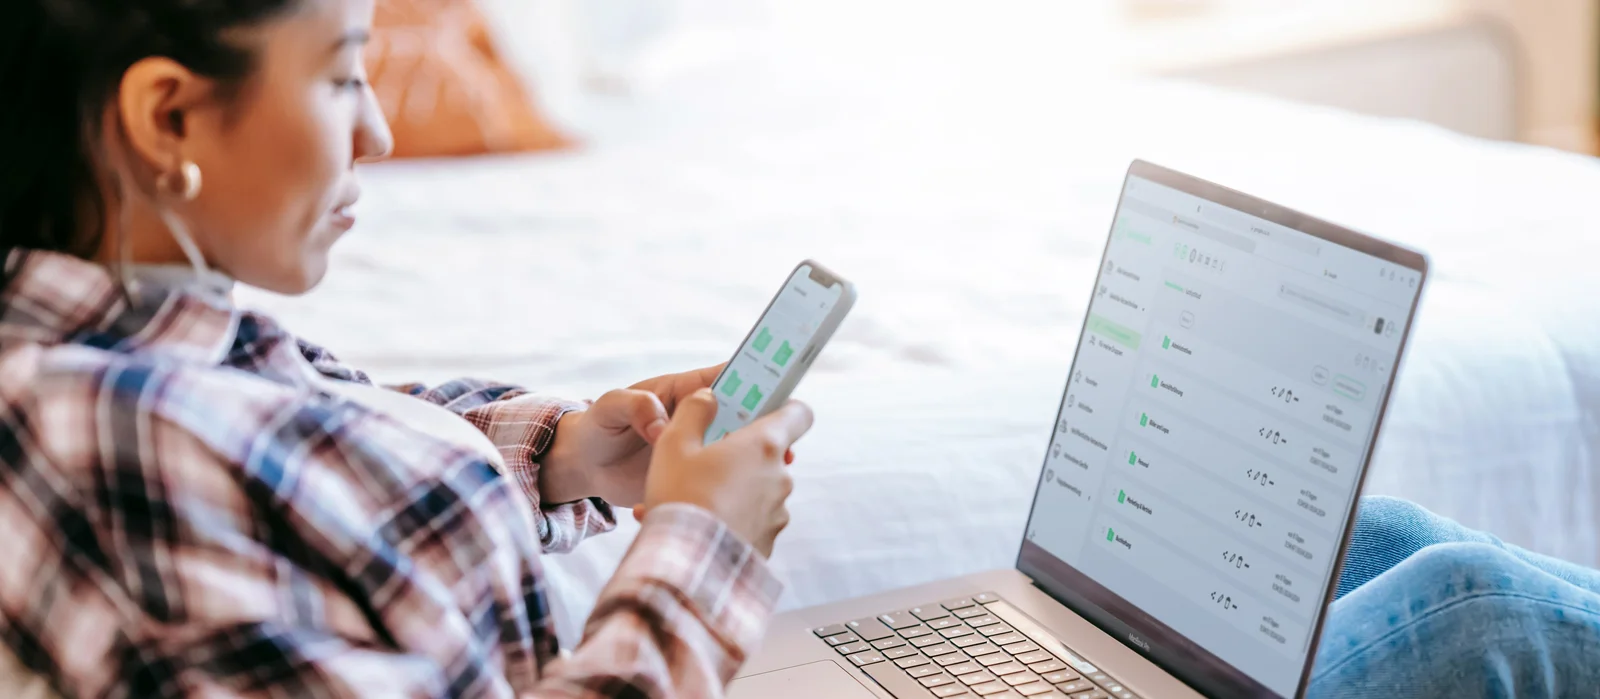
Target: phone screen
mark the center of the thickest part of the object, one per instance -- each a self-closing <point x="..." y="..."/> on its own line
<point x="774" y="347"/>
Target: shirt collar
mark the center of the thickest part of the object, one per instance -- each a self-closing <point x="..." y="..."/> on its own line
<point x="51" y="299"/>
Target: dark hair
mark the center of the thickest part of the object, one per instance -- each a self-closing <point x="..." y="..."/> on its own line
<point x="61" y="62"/>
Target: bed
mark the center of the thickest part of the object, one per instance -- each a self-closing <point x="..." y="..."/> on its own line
<point x="971" y="213"/>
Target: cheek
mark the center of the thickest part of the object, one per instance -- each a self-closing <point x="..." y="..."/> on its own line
<point x="280" y="171"/>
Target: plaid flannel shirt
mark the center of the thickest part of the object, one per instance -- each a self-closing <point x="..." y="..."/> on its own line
<point x="184" y="512"/>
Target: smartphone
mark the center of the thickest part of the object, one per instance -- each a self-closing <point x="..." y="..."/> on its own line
<point x="780" y="348"/>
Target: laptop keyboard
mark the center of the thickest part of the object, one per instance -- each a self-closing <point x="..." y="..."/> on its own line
<point x="958" y="649"/>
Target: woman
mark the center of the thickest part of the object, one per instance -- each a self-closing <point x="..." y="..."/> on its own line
<point x="195" y="502"/>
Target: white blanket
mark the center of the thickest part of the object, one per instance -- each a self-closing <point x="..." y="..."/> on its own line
<point x="971" y="215"/>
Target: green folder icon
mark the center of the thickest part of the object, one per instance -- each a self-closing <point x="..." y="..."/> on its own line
<point x="1144" y="420"/>
<point x="1122" y="496"/>
<point x="752" y="398"/>
<point x="763" y="339"/>
<point x="781" y="357"/>
<point x="731" y="383"/>
<point x="1166" y="343"/>
<point x="1111" y="534"/>
<point x="1155" y="381"/>
<point x="1133" y="458"/>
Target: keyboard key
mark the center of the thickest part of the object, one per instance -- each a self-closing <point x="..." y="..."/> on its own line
<point x="955" y="632"/>
<point x="887" y="643"/>
<point x="827" y="631"/>
<point x="1093" y="694"/>
<point x="870" y="629"/>
<point x="928" y="640"/>
<point x="1004" y="669"/>
<point x="963" y="603"/>
<point x="1037" y="656"/>
<point x="984" y="620"/>
<point x="1006" y="638"/>
<point x="1100" y="678"/>
<point x="1029" y="690"/>
<point x="924" y="670"/>
<point x="988" y="688"/>
<point x="1058" y="676"/>
<point x="901" y="652"/>
<point x="1053" y="666"/>
<point x="937" y="650"/>
<point x="1020" y="648"/>
<point x="866" y="658"/>
<point x="996" y="630"/>
<point x="929" y="613"/>
<point x="994" y="659"/>
<point x="1075" y="686"/>
<point x="898" y="620"/>
<point x="965" y="641"/>
<point x="914" y="631"/>
<point x="969" y="612"/>
<point x="910" y="661"/>
<point x="963" y="668"/>
<point x="949" y="690"/>
<point x="1017" y="678"/>
<point x="944" y="623"/>
<point x="951" y="659"/>
<point x="1125" y="694"/>
<point x="841" y="639"/>
<point x="853" y="648"/>
<point x="986" y="598"/>
<point x="936" y="680"/>
<point x="975" y="651"/>
<point x="973" y="678"/>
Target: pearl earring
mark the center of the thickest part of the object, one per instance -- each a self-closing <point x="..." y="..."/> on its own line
<point x="183" y="183"/>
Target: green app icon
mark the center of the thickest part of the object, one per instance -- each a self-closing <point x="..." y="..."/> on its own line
<point x="731" y="383"/>
<point x="763" y="339"/>
<point x="1122" y="496"/>
<point x="1144" y="420"/>
<point x="1111" y="534"/>
<point x="1155" y="381"/>
<point x="752" y="398"/>
<point x="1166" y="343"/>
<point x="781" y="357"/>
<point x="1133" y="458"/>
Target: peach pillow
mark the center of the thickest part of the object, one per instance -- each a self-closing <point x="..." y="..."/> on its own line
<point x="443" y="86"/>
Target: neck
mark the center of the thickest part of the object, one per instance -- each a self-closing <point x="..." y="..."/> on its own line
<point x="138" y="237"/>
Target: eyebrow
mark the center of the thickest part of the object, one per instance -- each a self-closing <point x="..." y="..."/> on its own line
<point x="354" y="37"/>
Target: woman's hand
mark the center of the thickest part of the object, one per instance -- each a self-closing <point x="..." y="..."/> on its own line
<point x="740" y="479"/>
<point x="605" y="451"/>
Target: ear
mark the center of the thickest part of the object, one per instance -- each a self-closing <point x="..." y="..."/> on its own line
<point x="155" y="99"/>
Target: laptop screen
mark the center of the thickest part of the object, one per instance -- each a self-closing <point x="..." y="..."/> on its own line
<point x="1216" y="426"/>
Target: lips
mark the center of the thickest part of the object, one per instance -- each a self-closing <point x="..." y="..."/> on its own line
<point x="343" y="216"/>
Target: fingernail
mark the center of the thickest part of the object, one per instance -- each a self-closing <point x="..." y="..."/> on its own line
<point x="705" y="393"/>
<point x="653" y="432"/>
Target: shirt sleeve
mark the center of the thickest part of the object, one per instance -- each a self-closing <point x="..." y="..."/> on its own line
<point x="683" y="612"/>
<point x="341" y="570"/>
<point x="521" y="424"/>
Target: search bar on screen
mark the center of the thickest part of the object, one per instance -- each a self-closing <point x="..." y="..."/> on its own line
<point x="1318" y="303"/>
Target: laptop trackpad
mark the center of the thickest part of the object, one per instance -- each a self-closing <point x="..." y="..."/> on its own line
<point x="819" y="679"/>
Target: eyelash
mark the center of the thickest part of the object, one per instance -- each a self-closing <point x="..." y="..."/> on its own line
<point x="351" y="83"/>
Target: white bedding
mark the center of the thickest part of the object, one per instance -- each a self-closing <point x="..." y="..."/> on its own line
<point x="971" y="214"/>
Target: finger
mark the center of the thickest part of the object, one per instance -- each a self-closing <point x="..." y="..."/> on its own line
<point x="628" y="408"/>
<point x="786" y="424"/>
<point x="686" y="431"/>
<point x="639" y="513"/>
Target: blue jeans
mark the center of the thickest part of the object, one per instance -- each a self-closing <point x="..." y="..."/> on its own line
<point x="1429" y="608"/>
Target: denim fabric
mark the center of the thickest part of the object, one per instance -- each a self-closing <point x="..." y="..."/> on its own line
<point x="1428" y="608"/>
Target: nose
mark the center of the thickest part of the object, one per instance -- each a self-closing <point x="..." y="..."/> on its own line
<point x="373" y="139"/>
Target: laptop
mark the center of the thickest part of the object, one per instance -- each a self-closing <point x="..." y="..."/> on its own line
<point x="1198" y="489"/>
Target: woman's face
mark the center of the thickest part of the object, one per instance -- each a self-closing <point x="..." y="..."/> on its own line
<point x="278" y="159"/>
